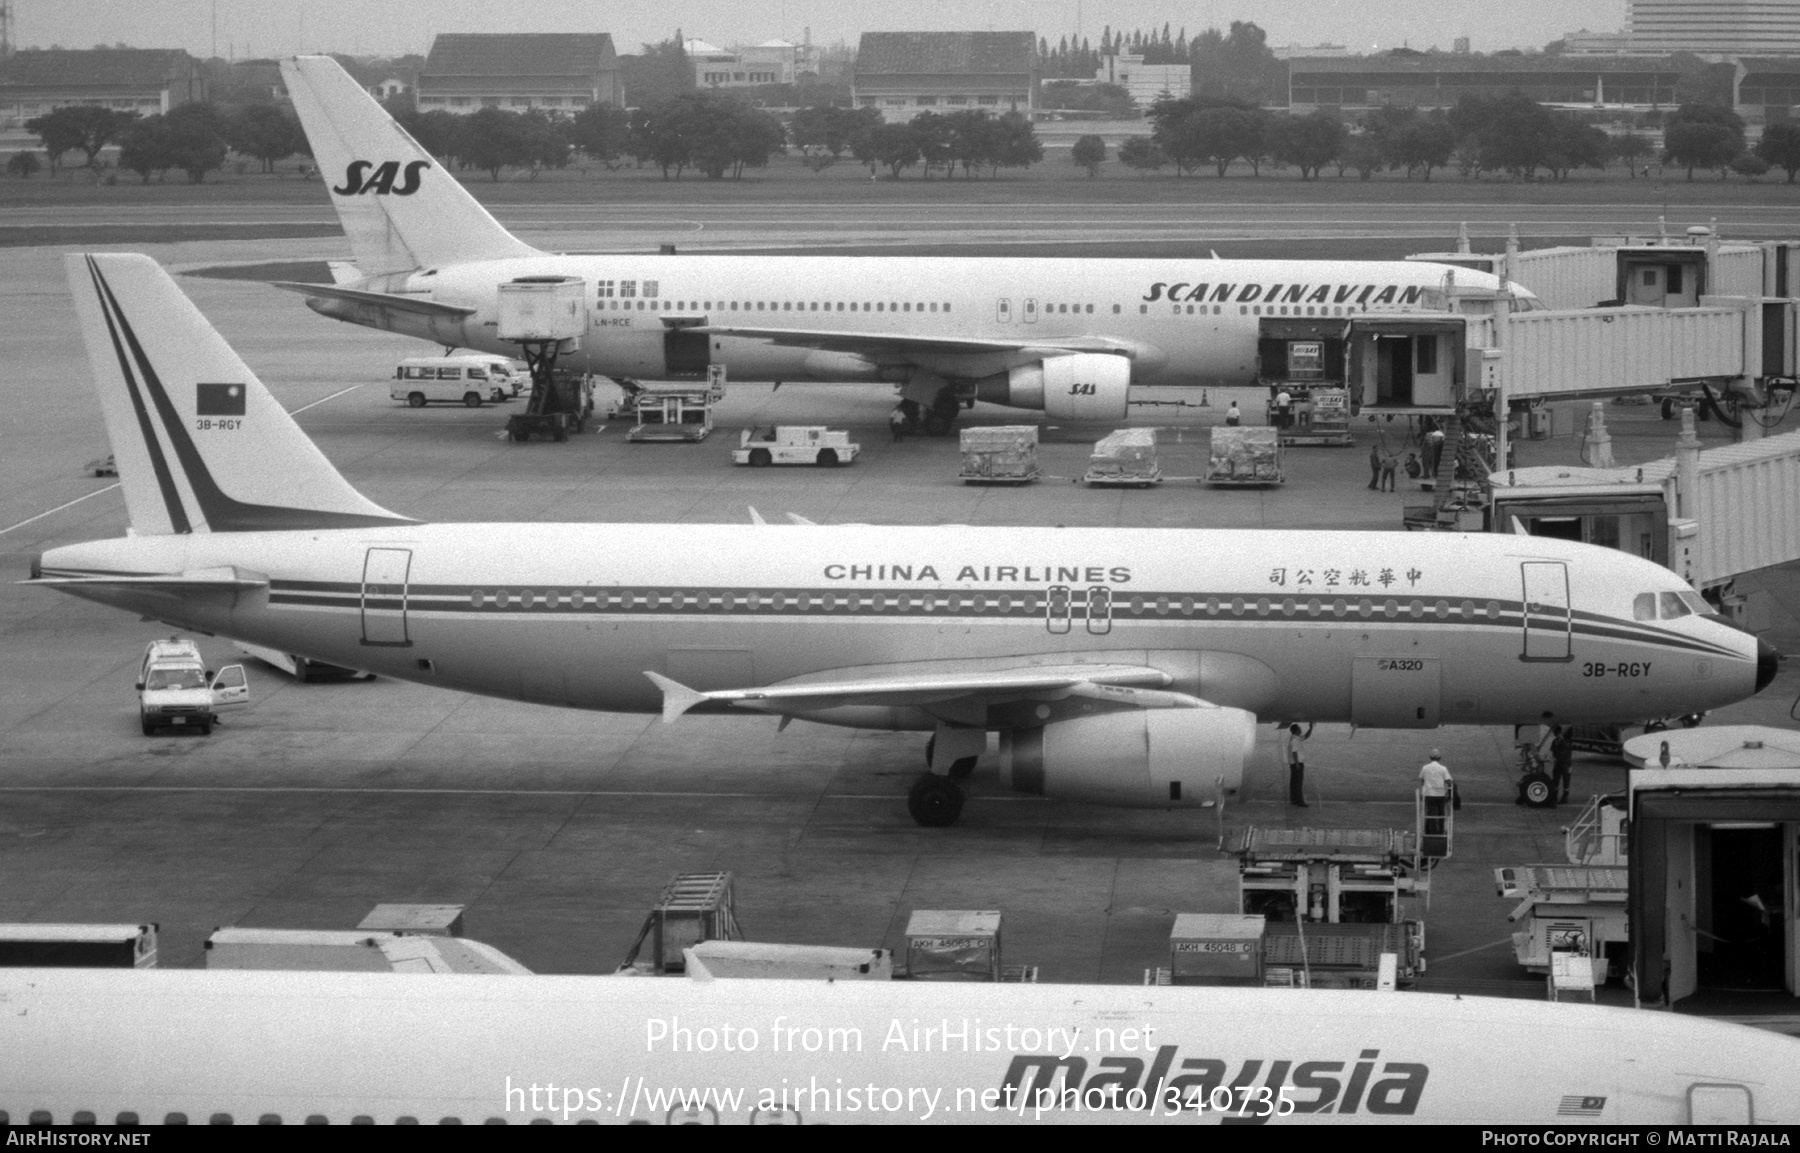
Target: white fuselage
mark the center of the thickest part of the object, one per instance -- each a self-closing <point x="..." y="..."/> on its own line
<point x="1396" y="630"/>
<point x="1186" y="322"/>
<point x="291" y="1047"/>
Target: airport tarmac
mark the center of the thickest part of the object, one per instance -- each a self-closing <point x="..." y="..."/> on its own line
<point x="557" y="829"/>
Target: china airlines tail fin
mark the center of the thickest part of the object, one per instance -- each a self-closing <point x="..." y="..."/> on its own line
<point x="399" y="207"/>
<point x="200" y="444"/>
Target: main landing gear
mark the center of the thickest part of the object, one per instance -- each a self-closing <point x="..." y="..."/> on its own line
<point x="936" y="800"/>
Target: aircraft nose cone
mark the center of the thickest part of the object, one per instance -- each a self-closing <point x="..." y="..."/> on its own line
<point x="1768" y="663"/>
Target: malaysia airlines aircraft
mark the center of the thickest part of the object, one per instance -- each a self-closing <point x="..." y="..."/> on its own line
<point x="159" y="1046"/>
<point x="1079" y="339"/>
<point x="1124" y="666"/>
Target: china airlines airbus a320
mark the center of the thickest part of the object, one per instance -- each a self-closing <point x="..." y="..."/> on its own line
<point x="1124" y="666"/>
<point x="1080" y="339"/>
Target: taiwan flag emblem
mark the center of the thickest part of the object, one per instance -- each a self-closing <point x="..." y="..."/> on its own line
<point x="218" y="400"/>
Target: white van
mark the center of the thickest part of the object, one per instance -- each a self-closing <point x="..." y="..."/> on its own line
<point x="470" y="380"/>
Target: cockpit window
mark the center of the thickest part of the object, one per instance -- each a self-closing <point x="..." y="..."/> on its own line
<point x="1672" y="606"/>
<point x="1695" y="601"/>
<point x="1643" y="607"/>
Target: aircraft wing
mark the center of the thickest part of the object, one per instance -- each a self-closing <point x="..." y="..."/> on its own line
<point x="411" y="304"/>
<point x="876" y="344"/>
<point x="1121" y="682"/>
<point x="196" y="581"/>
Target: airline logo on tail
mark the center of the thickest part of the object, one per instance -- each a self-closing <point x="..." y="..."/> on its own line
<point x="381" y="180"/>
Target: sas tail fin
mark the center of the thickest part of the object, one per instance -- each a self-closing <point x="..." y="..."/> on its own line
<point x="200" y="444"/>
<point x="399" y="207"/>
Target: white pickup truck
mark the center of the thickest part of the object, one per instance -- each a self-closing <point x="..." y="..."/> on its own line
<point x="175" y="689"/>
<point x="795" y="444"/>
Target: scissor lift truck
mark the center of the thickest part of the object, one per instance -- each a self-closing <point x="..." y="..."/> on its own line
<point x="1578" y="908"/>
<point x="684" y="415"/>
<point x="1335" y="900"/>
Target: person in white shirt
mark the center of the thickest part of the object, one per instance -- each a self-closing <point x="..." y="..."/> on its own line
<point x="1435" y="782"/>
<point x="1232" y="415"/>
<point x="1293" y="751"/>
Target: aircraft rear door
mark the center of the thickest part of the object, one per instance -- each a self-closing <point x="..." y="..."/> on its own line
<point x="385" y="573"/>
<point x="1548" y="620"/>
<point x="1003" y="311"/>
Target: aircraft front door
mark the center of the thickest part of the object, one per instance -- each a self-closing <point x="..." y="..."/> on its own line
<point x="385" y="573"/>
<point x="1548" y="620"/>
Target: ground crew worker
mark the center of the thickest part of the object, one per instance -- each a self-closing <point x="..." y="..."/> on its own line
<point x="1232" y="415"/>
<point x="1374" y="466"/>
<point x="1562" y="758"/>
<point x="1283" y="406"/>
<point x="897" y="424"/>
<point x="1293" y="751"/>
<point x="1435" y="783"/>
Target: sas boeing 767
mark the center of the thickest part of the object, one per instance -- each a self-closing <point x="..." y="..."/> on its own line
<point x="1124" y="666"/>
<point x="1080" y="339"/>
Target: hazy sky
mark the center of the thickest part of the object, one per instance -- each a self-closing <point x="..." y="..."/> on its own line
<point x="393" y="27"/>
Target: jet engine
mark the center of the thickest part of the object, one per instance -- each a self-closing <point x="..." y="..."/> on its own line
<point x="1080" y="386"/>
<point x="1139" y="758"/>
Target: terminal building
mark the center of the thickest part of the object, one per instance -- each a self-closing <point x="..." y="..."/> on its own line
<point x="1361" y="83"/>
<point x="1146" y="83"/>
<point x="147" y="81"/>
<point x="771" y="62"/>
<point x="905" y="73"/>
<point x="1715" y="27"/>
<point x="556" y="72"/>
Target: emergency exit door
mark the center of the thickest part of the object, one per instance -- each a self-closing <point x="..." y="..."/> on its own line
<point x="384" y="591"/>
<point x="1549" y="622"/>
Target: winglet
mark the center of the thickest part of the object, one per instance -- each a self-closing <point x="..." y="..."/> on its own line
<point x="796" y="518"/>
<point x="755" y="517"/>
<point x="677" y="697"/>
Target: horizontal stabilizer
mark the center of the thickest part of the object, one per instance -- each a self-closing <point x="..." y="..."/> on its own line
<point x="225" y="579"/>
<point x="410" y="304"/>
<point x="677" y="697"/>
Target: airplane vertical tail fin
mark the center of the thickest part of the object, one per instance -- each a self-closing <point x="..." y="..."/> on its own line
<point x="399" y="207"/>
<point x="200" y="444"/>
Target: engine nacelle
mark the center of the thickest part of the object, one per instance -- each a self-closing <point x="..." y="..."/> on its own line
<point x="1080" y="386"/>
<point x="1138" y="758"/>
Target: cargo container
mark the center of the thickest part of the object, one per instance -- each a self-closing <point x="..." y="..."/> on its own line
<point x="999" y="454"/>
<point x="758" y="961"/>
<point x="953" y="945"/>
<point x="1245" y="456"/>
<point x="1216" y="949"/>
<point x="1126" y="458"/>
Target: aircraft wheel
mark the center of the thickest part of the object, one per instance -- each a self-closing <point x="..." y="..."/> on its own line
<point x="962" y="767"/>
<point x="302" y="670"/>
<point x="1667" y="409"/>
<point x="415" y="400"/>
<point x="760" y="458"/>
<point x="1537" y="791"/>
<point x="827" y="458"/>
<point x="935" y="802"/>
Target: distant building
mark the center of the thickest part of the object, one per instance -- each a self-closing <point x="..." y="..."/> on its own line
<point x="771" y="62"/>
<point x="142" y="80"/>
<point x="1309" y="51"/>
<point x="1585" y="43"/>
<point x="906" y="73"/>
<point x="1439" y="80"/>
<point x="1766" y="90"/>
<point x="1146" y="83"/>
<point x="555" y="71"/>
<point x="1715" y="27"/>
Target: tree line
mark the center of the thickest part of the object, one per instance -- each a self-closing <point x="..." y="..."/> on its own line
<point x="1508" y="135"/>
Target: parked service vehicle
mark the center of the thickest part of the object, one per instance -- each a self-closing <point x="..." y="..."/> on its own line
<point x="78" y="946"/>
<point x="469" y="380"/>
<point x="795" y="444"/>
<point x="175" y="688"/>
